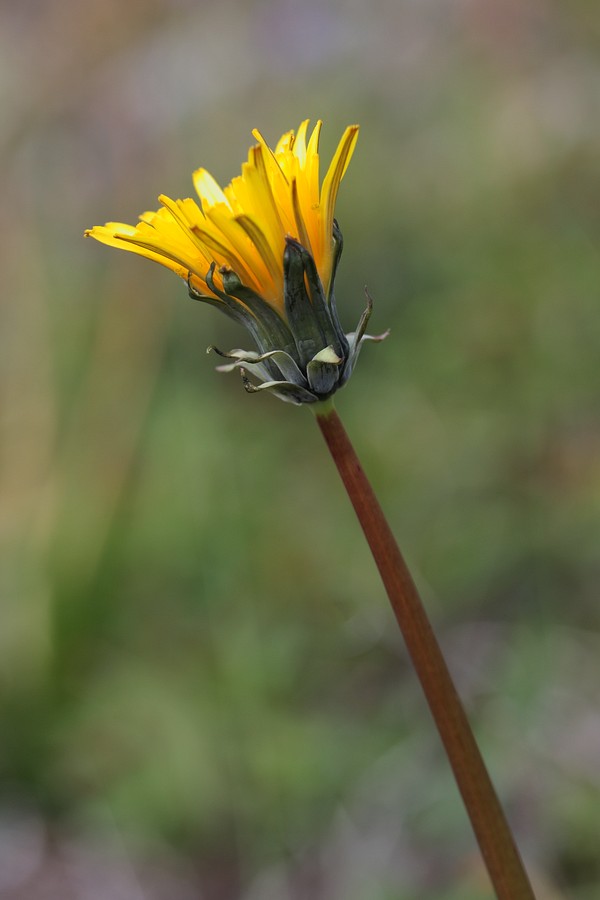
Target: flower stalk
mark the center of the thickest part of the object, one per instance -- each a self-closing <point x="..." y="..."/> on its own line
<point x="497" y="845"/>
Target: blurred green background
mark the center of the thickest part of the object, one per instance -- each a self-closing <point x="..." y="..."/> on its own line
<point x="202" y="690"/>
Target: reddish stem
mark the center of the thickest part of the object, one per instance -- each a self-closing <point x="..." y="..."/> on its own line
<point x="489" y="823"/>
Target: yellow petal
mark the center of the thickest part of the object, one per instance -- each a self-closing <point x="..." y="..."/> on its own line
<point x="244" y="225"/>
<point x="237" y="238"/>
<point x="300" y="143"/>
<point x="116" y="234"/>
<point x="331" y="184"/>
<point x="285" y="142"/>
<point x="207" y="188"/>
<point x="303" y="234"/>
<point x="260" y="241"/>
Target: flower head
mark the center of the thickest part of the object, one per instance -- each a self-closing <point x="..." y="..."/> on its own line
<point x="264" y="250"/>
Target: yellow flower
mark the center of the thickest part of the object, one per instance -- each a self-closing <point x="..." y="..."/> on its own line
<point x="264" y="250"/>
<point x="244" y="226"/>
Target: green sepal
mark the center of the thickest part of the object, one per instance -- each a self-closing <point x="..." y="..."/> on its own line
<point x="236" y="310"/>
<point x="222" y="303"/>
<point x="252" y="361"/>
<point x="304" y="326"/>
<point x="330" y="328"/>
<point x="278" y="335"/>
<point x="356" y="339"/>
<point x="338" y="247"/>
<point x="241" y="313"/>
<point x="285" y="390"/>
<point x="324" y="370"/>
<point x="282" y="360"/>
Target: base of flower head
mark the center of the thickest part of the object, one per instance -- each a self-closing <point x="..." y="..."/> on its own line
<point x="303" y="354"/>
<point x="277" y="372"/>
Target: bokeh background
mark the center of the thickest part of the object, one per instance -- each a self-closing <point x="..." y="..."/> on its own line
<point x="202" y="691"/>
